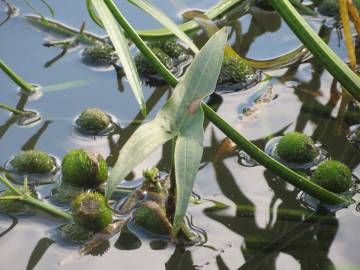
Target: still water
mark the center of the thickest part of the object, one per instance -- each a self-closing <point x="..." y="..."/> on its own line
<point x="254" y="231"/>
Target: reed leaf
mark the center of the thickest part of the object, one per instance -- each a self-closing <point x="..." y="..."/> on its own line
<point x="122" y="49"/>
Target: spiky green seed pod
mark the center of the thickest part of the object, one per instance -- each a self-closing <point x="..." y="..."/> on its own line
<point x="173" y="49"/>
<point x="235" y="71"/>
<point x="333" y="176"/>
<point x="93" y="120"/>
<point x="99" y="54"/>
<point x="33" y="161"/>
<point x="145" y="67"/>
<point x="75" y="233"/>
<point x="296" y="147"/>
<point x="329" y="8"/>
<point x="91" y="211"/>
<point x="151" y="174"/>
<point x="84" y="169"/>
<point x="152" y="217"/>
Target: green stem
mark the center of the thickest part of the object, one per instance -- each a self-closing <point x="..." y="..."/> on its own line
<point x="255" y="152"/>
<point x="47" y="207"/>
<point x="318" y="48"/>
<point x="16" y="78"/>
<point x="10" y="109"/>
<point x="35" y="202"/>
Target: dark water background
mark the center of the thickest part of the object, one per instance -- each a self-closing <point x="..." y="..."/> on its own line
<point x="264" y="239"/>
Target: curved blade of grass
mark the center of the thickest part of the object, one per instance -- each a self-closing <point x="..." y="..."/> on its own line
<point x="122" y="49"/>
<point x="92" y="13"/>
<point x="217" y="10"/>
<point x="161" y="17"/>
<point x="49" y="7"/>
<point x="318" y="48"/>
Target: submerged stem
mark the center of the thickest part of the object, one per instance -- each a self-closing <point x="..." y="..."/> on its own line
<point x="265" y="160"/>
<point x="10" y="109"/>
<point x="16" y="78"/>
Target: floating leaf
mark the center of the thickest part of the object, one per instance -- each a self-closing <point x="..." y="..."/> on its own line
<point x="181" y="116"/>
<point x="121" y="46"/>
<point x="158" y="15"/>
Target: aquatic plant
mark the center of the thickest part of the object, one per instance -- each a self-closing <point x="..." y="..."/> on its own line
<point x="145" y="67"/>
<point x="66" y="193"/>
<point x="296" y="147"/>
<point x="334" y="176"/>
<point x="75" y="233"/>
<point x="33" y="161"/>
<point x="152" y="217"/>
<point x="83" y="168"/>
<point x="155" y="129"/>
<point x="93" y="120"/>
<point x="99" y="54"/>
<point x="90" y="210"/>
<point x="14" y="206"/>
<point x="24" y="195"/>
<point x="235" y="71"/>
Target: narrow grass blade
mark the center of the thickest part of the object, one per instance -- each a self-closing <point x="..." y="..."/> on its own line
<point x="121" y="46"/>
<point x="161" y="17"/>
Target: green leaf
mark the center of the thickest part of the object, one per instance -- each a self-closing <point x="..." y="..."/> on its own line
<point x="122" y="49"/>
<point x="158" y="15"/>
<point x="180" y="116"/>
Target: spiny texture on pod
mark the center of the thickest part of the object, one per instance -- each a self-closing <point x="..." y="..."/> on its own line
<point x="296" y="147"/>
<point x="172" y="48"/>
<point x="93" y="120"/>
<point x="264" y="4"/>
<point x="99" y="54"/>
<point x="329" y="8"/>
<point x="75" y="233"/>
<point x="145" y="67"/>
<point x="91" y="211"/>
<point x="152" y="217"/>
<point x="83" y="168"/>
<point x="235" y="71"/>
<point x="33" y="161"/>
<point x="333" y="176"/>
